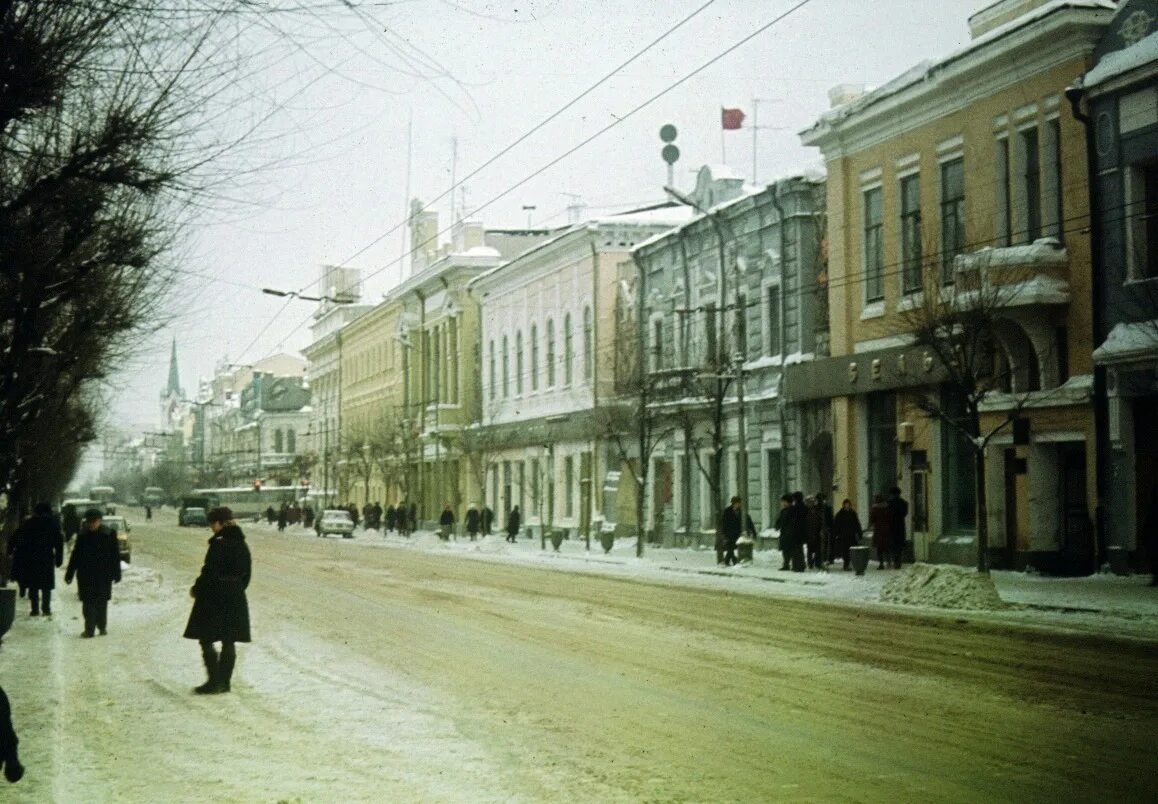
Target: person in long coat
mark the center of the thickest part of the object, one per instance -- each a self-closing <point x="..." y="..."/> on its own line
<point x="846" y="531"/>
<point x="514" y="522"/>
<point x="36" y="548"/>
<point x="472" y="521"/>
<point x="881" y="521"/>
<point x="814" y="525"/>
<point x="446" y="522"/>
<point x="898" y="511"/>
<point x="220" y="609"/>
<point x="95" y="562"/>
<point x="390" y="517"/>
<point x="784" y="528"/>
<point x="9" y="757"/>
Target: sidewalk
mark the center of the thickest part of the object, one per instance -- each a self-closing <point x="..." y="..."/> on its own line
<point x="1105" y="604"/>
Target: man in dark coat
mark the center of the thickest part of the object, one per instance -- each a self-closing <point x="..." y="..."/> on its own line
<point x="898" y="510"/>
<point x="487" y="519"/>
<point x="730" y="531"/>
<point x="798" y="526"/>
<point x="220" y="609"/>
<point x="390" y="517"/>
<point x="446" y="522"/>
<point x="96" y="563"/>
<point x="514" y="522"/>
<point x="785" y="526"/>
<point x="412" y="518"/>
<point x="472" y="521"/>
<point x="36" y="548"/>
<point x="846" y="531"/>
<point x="13" y="770"/>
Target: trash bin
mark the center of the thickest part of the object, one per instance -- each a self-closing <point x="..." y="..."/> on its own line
<point x="744" y="549"/>
<point x="1118" y="560"/>
<point x="860" y="557"/>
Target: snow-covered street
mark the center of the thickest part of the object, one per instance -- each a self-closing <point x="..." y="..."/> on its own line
<point x="384" y="670"/>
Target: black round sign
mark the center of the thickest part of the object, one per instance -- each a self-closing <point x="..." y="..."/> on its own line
<point x="668" y="133"/>
<point x="670" y="154"/>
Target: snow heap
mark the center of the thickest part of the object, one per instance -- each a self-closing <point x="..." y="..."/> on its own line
<point x="943" y="586"/>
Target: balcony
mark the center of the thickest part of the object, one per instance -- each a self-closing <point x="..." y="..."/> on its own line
<point x="1033" y="275"/>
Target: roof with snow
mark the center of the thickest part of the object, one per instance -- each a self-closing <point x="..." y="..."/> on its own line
<point x="1120" y="62"/>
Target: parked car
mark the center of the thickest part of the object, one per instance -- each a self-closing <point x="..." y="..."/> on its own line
<point x="193" y="516"/>
<point x="336" y="521"/>
<point x="120" y="526"/>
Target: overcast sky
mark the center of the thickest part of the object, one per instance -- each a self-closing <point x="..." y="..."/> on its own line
<point x="336" y="149"/>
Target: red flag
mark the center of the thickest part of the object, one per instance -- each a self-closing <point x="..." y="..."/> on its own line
<point x="731" y="119"/>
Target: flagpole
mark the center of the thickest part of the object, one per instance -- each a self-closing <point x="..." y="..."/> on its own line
<point x="406" y="200"/>
<point x="723" y="139"/>
<point x="755" y="128"/>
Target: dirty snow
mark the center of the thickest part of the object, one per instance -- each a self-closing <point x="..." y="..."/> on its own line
<point x="943" y="586"/>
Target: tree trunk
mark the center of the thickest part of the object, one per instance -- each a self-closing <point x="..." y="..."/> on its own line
<point x="982" y="513"/>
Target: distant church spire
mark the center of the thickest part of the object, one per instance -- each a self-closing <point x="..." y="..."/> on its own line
<point x="174" y="386"/>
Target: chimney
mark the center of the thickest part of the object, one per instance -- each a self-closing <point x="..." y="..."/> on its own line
<point x="423" y="236"/>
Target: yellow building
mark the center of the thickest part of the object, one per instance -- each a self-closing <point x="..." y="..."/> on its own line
<point x="957" y="176"/>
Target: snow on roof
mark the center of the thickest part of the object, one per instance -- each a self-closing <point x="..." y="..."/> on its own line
<point x="924" y="71"/>
<point x="667" y="214"/>
<point x="1129" y="341"/>
<point x="1122" y="61"/>
<point x="1043" y="251"/>
<point x="482" y="251"/>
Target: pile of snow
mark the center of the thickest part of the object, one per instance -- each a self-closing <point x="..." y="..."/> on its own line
<point x="943" y="586"/>
<point x="138" y="584"/>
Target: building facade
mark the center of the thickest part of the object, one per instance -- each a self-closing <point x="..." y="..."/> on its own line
<point x="959" y="175"/>
<point x="1118" y="102"/>
<point x="728" y="299"/>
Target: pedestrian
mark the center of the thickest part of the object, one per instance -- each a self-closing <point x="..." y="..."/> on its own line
<point x="412" y="518"/>
<point x="827" y="552"/>
<point x="514" y="521"/>
<point x="220" y="609"/>
<point x="377" y="515"/>
<point x="472" y="521"/>
<point x="898" y="510"/>
<point x="730" y="531"/>
<point x="95" y="562"/>
<point x="282" y="517"/>
<point x="446" y="522"/>
<point x="307" y="516"/>
<point x="784" y="527"/>
<point x="13" y="770"/>
<point x="148" y="513"/>
<point x="36" y="548"/>
<point x="488" y="519"/>
<point x="814" y="520"/>
<point x="846" y="532"/>
<point x="390" y="518"/>
<point x="353" y="509"/>
<point x="368" y="515"/>
<point x="270" y="515"/>
<point x="881" y="522"/>
<point x="403" y="520"/>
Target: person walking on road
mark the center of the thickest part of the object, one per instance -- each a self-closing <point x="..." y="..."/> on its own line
<point x="36" y="548"/>
<point x="881" y="522"/>
<point x="898" y="511"/>
<point x="220" y="609"/>
<point x="472" y="521"/>
<point x="282" y="517"/>
<point x="514" y="522"/>
<point x="95" y="562"/>
<point x="783" y="527"/>
<point x="9" y="758"/>
<point x="846" y="532"/>
<point x="730" y="531"/>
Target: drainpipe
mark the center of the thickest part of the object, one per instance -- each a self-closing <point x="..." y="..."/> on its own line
<point x="1074" y="95"/>
<point x="783" y="332"/>
<point x="689" y="460"/>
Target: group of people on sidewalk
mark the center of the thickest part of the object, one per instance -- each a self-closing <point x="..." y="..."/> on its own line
<point x="220" y="612"/>
<point x="811" y="535"/>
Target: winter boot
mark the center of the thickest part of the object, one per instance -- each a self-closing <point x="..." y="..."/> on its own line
<point x="225" y="667"/>
<point x="210" y="687"/>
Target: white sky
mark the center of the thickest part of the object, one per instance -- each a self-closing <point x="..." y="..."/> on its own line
<point x="339" y="147"/>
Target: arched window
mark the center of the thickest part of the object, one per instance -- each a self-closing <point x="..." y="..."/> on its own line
<point x="506" y="368"/>
<point x="519" y="362"/>
<point x="291" y="439"/>
<point x="588" y="344"/>
<point x="491" y="385"/>
<point x="550" y="353"/>
<point x="534" y="358"/>
<point x="277" y="440"/>
<point x="568" y="351"/>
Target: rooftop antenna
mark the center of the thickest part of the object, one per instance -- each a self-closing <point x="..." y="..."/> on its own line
<point x="575" y="209"/>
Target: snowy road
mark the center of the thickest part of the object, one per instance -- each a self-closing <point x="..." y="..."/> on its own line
<point x="396" y="675"/>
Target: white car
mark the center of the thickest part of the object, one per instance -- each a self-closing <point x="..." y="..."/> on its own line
<point x="120" y="526"/>
<point x="336" y="521"/>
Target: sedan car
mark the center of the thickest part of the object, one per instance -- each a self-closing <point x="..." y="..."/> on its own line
<point x="336" y="521"/>
<point x="193" y="516"/>
<point x="120" y="526"/>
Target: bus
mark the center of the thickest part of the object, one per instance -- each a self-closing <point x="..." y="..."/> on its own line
<point x="154" y="496"/>
<point x="248" y="502"/>
<point x="106" y="496"/>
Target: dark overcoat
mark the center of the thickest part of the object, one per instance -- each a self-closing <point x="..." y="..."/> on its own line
<point x="881" y="521"/>
<point x="96" y="562"/>
<point x="898" y="510"/>
<point x="220" y="609"/>
<point x="36" y="548"/>
<point x="514" y="521"/>
<point x="846" y="529"/>
<point x="472" y="520"/>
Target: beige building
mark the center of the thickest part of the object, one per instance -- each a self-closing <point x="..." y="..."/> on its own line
<point x="960" y="175"/>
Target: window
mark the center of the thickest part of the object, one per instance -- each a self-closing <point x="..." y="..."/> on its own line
<point x="550" y="353"/>
<point x="657" y="344"/>
<point x="453" y="361"/>
<point x="491" y="372"/>
<point x="1051" y="178"/>
<point x="536" y="501"/>
<point x="772" y="319"/>
<point x="588" y="344"/>
<point x="568" y="351"/>
<point x="1031" y="176"/>
<point x="1002" y="220"/>
<point x="519" y="362"/>
<point x="569" y="486"/>
<point x="436" y="367"/>
<point x="882" y="442"/>
<point x="873" y="246"/>
<point x="959" y="485"/>
<point x="534" y="358"/>
<point x="277" y="442"/>
<point x="773" y="485"/>
<point x="506" y="368"/>
<point x="952" y="215"/>
<point x="911" y="234"/>
<point x="291" y="438"/>
<point x="1142" y="221"/>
